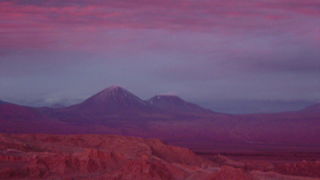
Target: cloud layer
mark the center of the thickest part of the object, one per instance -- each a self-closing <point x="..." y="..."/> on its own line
<point x="206" y="51"/>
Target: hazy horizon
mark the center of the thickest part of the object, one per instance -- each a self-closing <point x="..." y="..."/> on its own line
<point x="224" y="106"/>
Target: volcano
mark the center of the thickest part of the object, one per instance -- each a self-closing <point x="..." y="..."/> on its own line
<point x="112" y="100"/>
<point x="117" y="102"/>
<point x="115" y="110"/>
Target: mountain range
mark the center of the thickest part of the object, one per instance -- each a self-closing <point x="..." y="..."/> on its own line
<point x="115" y="110"/>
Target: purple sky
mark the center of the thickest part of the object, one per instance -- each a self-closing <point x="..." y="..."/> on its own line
<point x="234" y="56"/>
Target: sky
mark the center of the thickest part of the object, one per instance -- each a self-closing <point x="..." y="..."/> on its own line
<point x="235" y="56"/>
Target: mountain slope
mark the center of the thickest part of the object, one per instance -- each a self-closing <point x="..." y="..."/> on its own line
<point x="175" y="104"/>
<point x="117" y="111"/>
<point x="2" y="102"/>
<point x="11" y="111"/>
<point x="113" y="100"/>
<point x="21" y="119"/>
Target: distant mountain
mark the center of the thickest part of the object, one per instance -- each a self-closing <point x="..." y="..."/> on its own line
<point x="113" y="100"/>
<point x="3" y="102"/>
<point x="117" y="102"/>
<point x="117" y="111"/>
<point x="17" y="112"/>
<point x="21" y="119"/>
<point x="174" y="104"/>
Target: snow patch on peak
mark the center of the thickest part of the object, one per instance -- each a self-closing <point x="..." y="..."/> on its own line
<point x="114" y="91"/>
<point x="116" y="87"/>
<point x="115" y="95"/>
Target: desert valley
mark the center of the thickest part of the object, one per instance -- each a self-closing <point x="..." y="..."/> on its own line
<point x="159" y="90"/>
<point x="109" y="133"/>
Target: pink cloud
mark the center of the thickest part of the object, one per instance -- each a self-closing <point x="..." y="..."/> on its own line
<point x="215" y="43"/>
<point x="158" y="14"/>
<point x="41" y="23"/>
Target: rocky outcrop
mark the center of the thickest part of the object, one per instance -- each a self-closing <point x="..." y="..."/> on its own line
<point x="110" y="157"/>
<point x="302" y="168"/>
<point x="95" y="157"/>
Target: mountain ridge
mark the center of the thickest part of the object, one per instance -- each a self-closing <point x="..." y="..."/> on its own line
<point x="117" y="100"/>
<point x="175" y="103"/>
<point x="118" y="111"/>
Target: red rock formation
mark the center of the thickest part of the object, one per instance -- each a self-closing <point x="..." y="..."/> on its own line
<point x="94" y="157"/>
<point x="100" y="157"/>
<point x="303" y="168"/>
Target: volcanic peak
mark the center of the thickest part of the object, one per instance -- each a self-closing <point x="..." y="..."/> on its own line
<point x="115" y="94"/>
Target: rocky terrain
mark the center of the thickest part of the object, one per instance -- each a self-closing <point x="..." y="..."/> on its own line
<point x="35" y="155"/>
<point x="303" y="164"/>
<point x="119" y="158"/>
